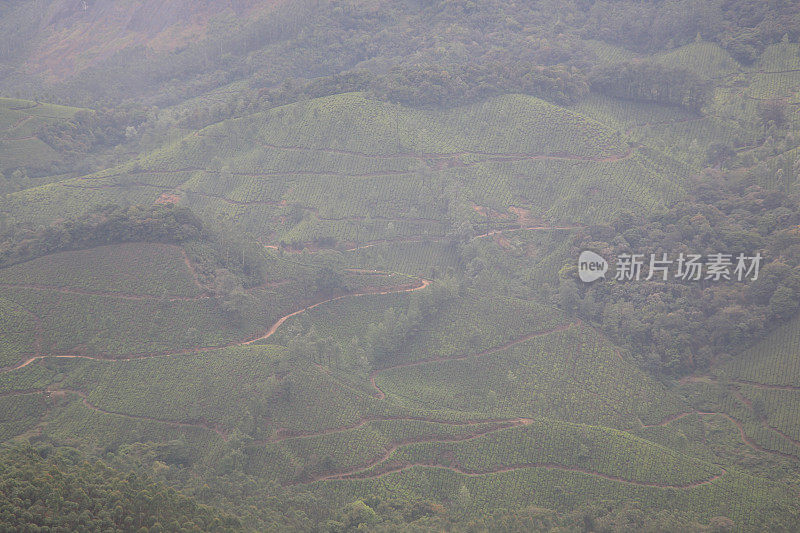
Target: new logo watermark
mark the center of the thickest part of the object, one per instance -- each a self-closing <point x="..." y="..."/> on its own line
<point x="683" y="267"/>
<point x="591" y="266"/>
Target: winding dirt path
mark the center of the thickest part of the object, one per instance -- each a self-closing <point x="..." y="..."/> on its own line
<point x="746" y="402"/>
<point x="175" y="423"/>
<point x="351" y="247"/>
<point x="380" y="394"/>
<point x="20" y="122"/>
<point x="743" y="435"/>
<point x="362" y="471"/>
<point x="763" y="419"/>
<point x="283" y="434"/>
<point x="394" y="446"/>
<point x="445" y="156"/>
<point x="16" y="125"/>
<point x="422" y="283"/>
<point x="548" y="466"/>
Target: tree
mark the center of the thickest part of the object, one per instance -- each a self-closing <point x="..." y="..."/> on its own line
<point x="772" y="112"/>
<point x="328" y="280"/>
<point x="784" y="302"/>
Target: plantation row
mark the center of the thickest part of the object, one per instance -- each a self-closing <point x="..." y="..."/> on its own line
<point x="124" y="269"/>
<point x="20" y="413"/>
<point x="546" y="442"/>
<point x="564" y="490"/>
<point x="20" y="332"/>
<point x="570" y="374"/>
<point x="307" y="458"/>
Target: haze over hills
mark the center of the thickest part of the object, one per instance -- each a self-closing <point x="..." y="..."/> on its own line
<point x="312" y="265"/>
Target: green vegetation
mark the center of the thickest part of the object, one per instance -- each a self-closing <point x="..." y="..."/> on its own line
<point x="312" y="263"/>
<point x="123" y="269"/>
<point x="63" y="491"/>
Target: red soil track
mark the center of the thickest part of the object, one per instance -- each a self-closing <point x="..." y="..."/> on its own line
<point x="404" y="288"/>
<point x="418" y="238"/>
<point x="175" y="423"/>
<point x="489" y="156"/>
<point x="743" y="435"/>
<point x="283" y="435"/>
<point x="749" y="404"/>
<point x="415" y="440"/>
<point x="549" y="466"/>
<point x="20" y="122"/>
<point x="763" y="419"/>
<point x="201" y="349"/>
<point x="361" y="472"/>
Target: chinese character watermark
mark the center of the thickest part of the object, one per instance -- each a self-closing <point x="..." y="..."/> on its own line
<point x="683" y="267"/>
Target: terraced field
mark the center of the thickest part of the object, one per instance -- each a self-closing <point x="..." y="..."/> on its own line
<point x="19" y="121"/>
<point x="403" y="340"/>
<point x="388" y="175"/>
<point x="503" y="406"/>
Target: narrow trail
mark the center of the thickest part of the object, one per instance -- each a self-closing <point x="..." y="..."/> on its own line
<point x="284" y="435"/>
<point x="743" y="435"/>
<point x="548" y="466"/>
<point x="362" y="472"/>
<point x="20" y="122"/>
<point x="381" y="395"/>
<point x="14" y="126"/>
<point x="403" y="288"/>
<point x="763" y="419"/>
<point x="422" y="283"/>
<point x="538" y="227"/>
<point x="747" y="403"/>
<point x="175" y="423"/>
<point x="351" y="247"/>
<point x="445" y="156"/>
<point x="394" y="446"/>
